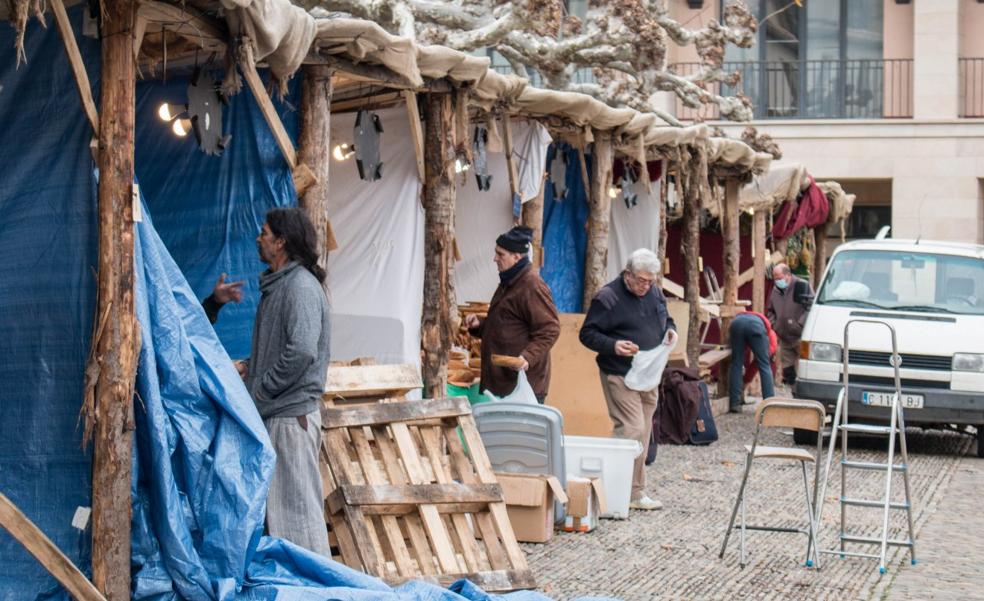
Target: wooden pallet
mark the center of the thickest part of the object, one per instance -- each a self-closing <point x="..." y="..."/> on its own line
<point x="407" y="501"/>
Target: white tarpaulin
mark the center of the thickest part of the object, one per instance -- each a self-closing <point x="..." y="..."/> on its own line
<point x="481" y="216"/>
<point x="376" y="276"/>
<point x="633" y="227"/>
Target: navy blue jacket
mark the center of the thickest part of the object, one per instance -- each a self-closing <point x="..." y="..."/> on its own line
<point x="616" y="313"/>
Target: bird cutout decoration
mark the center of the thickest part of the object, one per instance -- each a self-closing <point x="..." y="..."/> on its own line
<point x="205" y="111"/>
<point x="558" y="174"/>
<point x="366" y="141"/>
<point x="480" y="159"/>
<point x="627" y="184"/>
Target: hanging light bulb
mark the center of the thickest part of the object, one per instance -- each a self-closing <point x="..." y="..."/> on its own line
<point x="181" y="127"/>
<point x="342" y="152"/>
<point x="167" y="111"/>
<point x="460" y="166"/>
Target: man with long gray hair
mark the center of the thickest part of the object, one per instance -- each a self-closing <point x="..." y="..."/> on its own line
<point x="628" y="315"/>
<point x="286" y="371"/>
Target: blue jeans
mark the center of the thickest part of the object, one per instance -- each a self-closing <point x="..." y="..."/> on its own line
<point x="748" y="330"/>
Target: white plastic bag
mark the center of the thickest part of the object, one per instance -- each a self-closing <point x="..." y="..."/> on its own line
<point x="647" y="367"/>
<point x="523" y="393"/>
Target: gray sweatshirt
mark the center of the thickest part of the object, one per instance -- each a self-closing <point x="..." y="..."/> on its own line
<point x="291" y="340"/>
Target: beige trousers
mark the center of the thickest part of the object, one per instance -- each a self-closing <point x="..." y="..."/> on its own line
<point x="631" y="412"/>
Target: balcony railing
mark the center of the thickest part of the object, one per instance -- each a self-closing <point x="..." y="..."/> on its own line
<point x="823" y="89"/>
<point x="971" y="87"/>
<point x="583" y="75"/>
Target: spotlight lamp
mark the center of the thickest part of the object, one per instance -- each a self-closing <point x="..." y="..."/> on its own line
<point x="169" y="111"/>
<point x="343" y="152"/>
<point x="181" y="127"/>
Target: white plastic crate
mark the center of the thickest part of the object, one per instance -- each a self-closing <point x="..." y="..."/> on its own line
<point x="611" y="459"/>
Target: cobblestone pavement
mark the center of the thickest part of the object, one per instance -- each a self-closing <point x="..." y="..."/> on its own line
<point x="673" y="553"/>
<point x="950" y="547"/>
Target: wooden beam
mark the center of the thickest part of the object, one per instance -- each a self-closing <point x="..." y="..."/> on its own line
<point x="533" y="219"/>
<point x="664" y="194"/>
<point x="599" y="217"/>
<point x="360" y="71"/>
<point x="730" y="214"/>
<point x="693" y="171"/>
<point x="366" y="102"/>
<point x="416" y="130"/>
<point x="117" y="341"/>
<point x="510" y="162"/>
<point x="40" y="546"/>
<point x="210" y="34"/>
<point x="139" y="30"/>
<point x="270" y="113"/>
<point x="758" y="254"/>
<point x="438" y="197"/>
<point x="314" y="154"/>
<point x="75" y="61"/>
<point x="819" y="254"/>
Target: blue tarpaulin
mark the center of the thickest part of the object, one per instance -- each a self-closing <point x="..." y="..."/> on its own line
<point x="201" y="459"/>
<point x="564" y="237"/>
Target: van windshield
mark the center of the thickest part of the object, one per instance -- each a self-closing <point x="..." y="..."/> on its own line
<point x="905" y="280"/>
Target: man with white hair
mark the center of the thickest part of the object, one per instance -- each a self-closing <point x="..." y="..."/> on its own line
<point x="628" y="315"/>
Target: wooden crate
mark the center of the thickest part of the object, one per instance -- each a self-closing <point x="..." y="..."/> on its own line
<point x="406" y="500"/>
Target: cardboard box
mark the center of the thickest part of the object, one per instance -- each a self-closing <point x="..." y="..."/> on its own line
<point x="530" y="504"/>
<point x="585" y="503"/>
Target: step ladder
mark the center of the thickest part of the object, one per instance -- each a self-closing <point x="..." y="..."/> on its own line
<point x="841" y="427"/>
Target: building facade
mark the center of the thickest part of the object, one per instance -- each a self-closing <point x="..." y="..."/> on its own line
<point x="884" y="96"/>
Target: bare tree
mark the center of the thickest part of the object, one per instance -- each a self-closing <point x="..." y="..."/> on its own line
<point x="623" y="42"/>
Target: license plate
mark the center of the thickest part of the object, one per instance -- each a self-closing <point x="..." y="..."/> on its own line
<point x="884" y="399"/>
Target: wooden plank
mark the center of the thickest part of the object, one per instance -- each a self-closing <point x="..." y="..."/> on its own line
<point x="443" y="492"/>
<point x="346" y="544"/>
<point x="713" y="357"/>
<point x="462" y="529"/>
<point x="390" y="526"/>
<point x="353" y="381"/>
<point x="463" y="468"/>
<point x="76" y="63"/>
<point x="677" y="291"/>
<point x="139" y="30"/>
<point x="405" y="509"/>
<point x="387" y="413"/>
<point x="48" y="555"/>
<point x="270" y="114"/>
<point x="415" y="530"/>
<point x="483" y="468"/>
<point x="433" y="525"/>
<point x="416" y="130"/>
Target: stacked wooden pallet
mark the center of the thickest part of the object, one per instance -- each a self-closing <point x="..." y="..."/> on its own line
<point x="411" y="494"/>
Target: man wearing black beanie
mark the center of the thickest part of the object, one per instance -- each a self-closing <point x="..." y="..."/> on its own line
<point x="522" y="319"/>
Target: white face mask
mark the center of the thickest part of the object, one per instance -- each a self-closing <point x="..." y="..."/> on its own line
<point x="782" y="284"/>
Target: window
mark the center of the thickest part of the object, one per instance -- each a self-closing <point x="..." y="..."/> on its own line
<point x="901" y="279"/>
<point x="823" y="60"/>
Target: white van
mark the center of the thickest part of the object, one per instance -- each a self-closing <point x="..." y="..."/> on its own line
<point x="932" y="293"/>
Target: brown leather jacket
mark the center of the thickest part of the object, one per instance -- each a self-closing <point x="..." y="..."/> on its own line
<point x="788" y="308"/>
<point x="522" y="320"/>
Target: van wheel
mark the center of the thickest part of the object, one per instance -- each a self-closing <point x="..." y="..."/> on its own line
<point x="980" y="441"/>
<point x="801" y="436"/>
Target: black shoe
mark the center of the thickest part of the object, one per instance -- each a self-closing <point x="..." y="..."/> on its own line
<point x="734" y="409"/>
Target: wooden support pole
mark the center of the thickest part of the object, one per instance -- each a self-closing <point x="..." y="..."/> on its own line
<point x="599" y="217"/>
<point x="533" y="219"/>
<point x="819" y="255"/>
<point x="731" y="252"/>
<point x="760" y="261"/>
<point x="690" y="169"/>
<point x="117" y="340"/>
<point x="664" y="195"/>
<point x="314" y="144"/>
<point x="438" y="200"/>
<point x="45" y="551"/>
<point x="75" y="61"/>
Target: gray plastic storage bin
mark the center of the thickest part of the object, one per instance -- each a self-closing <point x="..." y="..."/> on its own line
<point x="524" y="438"/>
